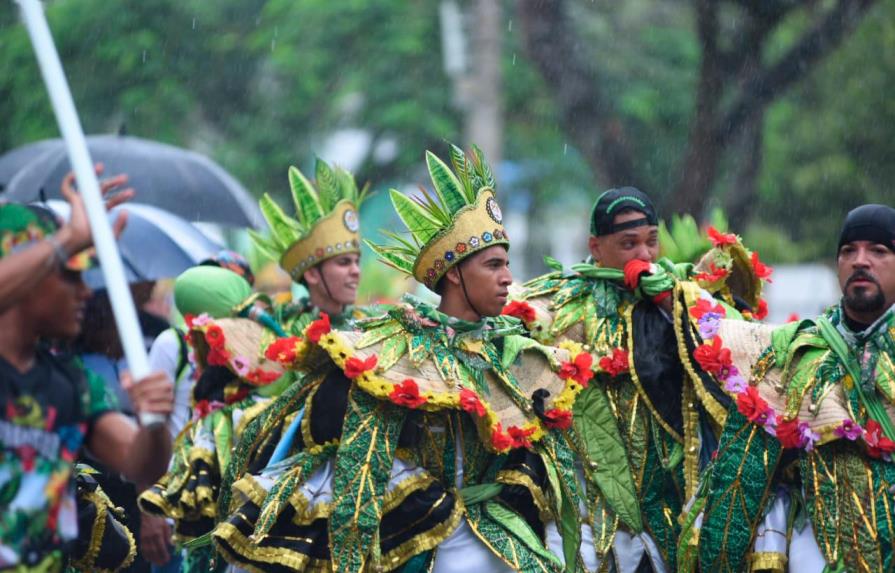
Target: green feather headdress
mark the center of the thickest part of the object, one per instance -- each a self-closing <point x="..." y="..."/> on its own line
<point x="326" y="222"/>
<point x="459" y="219"/>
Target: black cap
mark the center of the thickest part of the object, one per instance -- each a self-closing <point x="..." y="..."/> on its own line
<point x="611" y="202"/>
<point x="874" y="223"/>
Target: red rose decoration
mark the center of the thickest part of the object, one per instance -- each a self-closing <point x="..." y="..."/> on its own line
<point x="617" y="363"/>
<point x="704" y="306"/>
<point x="354" y="366"/>
<point x="282" y="350"/>
<point x="762" y="311"/>
<point x="218" y="357"/>
<point x="633" y="269"/>
<point x="520" y="309"/>
<point x="720" y="239"/>
<point x="500" y="440"/>
<point x="407" y="393"/>
<point x="877" y="444"/>
<point x="793" y="317"/>
<point x="762" y="271"/>
<point x="713" y="358"/>
<point x="753" y="406"/>
<point x="318" y="328"/>
<point x="788" y="434"/>
<point x="558" y="419"/>
<point x="520" y="436"/>
<point x="714" y="275"/>
<point x="188" y="320"/>
<point x="578" y="370"/>
<point x="214" y="336"/>
<point x="259" y="376"/>
<point x="470" y="403"/>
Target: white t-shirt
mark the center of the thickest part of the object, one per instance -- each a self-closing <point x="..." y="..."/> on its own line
<point x="165" y="356"/>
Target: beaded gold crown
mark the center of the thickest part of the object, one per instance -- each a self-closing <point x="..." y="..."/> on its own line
<point x="326" y="222"/>
<point x="461" y="218"/>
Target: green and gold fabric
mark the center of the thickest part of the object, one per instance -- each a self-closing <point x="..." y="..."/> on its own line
<point x="666" y="407"/>
<point x="415" y="427"/>
<point x="811" y="433"/>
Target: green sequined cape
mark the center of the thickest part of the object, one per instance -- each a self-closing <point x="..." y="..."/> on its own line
<point x="507" y="494"/>
<point x="846" y="490"/>
<point x="659" y="455"/>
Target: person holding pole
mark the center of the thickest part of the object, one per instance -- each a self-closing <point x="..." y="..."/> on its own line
<point x="50" y="407"/>
<point x="23" y="269"/>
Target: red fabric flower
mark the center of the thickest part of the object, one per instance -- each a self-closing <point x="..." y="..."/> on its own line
<point x="578" y="370"/>
<point x="704" y="306"/>
<point x="762" y="271"/>
<point x="877" y="444"/>
<point x="188" y="320"/>
<point x="259" y="376"/>
<point x="520" y="309"/>
<point x="713" y="357"/>
<point x="318" y="328"/>
<point x="354" y="366"/>
<point x="407" y="393"/>
<point x="720" y="239"/>
<point x="753" y="406"/>
<point x="633" y="269"/>
<point x="762" y="311"/>
<point x="793" y="317"/>
<point x="282" y="350"/>
<point x="218" y="356"/>
<point x="470" y="403"/>
<point x="201" y="409"/>
<point x="500" y="440"/>
<point x="520" y="436"/>
<point x="238" y="396"/>
<point x="214" y="336"/>
<point x="558" y="419"/>
<point x="714" y="275"/>
<point x="617" y="363"/>
<point x="788" y="433"/>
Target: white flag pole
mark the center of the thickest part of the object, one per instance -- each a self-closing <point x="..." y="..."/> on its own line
<point x="106" y="248"/>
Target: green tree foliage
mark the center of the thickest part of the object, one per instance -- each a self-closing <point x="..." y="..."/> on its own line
<point x="260" y="84"/>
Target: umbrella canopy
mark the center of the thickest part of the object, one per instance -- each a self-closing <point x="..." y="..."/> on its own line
<point x="16" y="160"/>
<point x="154" y="245"/>
<point x="177" y="180"/>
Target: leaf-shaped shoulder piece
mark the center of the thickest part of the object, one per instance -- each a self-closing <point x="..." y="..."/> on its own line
<point x="380" y="363"/>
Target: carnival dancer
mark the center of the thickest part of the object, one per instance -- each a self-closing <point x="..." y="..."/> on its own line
<point x="803" y="478"/>
<point x="647" y="424"/>
<point x="320" y="248"/>
<point x="229" y="330"/>
<point x="52" y="408"/>
<point x="425" y="439"/>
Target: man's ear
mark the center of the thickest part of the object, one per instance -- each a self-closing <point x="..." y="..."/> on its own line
<point x="312" y="276"/>
<point x="593" y="245"/>
<point x="452" y="276"/>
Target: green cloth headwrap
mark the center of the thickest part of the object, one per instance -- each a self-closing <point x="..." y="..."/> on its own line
<point x="211" y="290"/>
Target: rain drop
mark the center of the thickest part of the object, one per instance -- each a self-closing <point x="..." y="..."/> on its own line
<point x="144" y="56"/>
<point x="509" y="26"/>
<point x="194" y="23"/>
<point x="273" y="44"/>
<point x="565" y="148"/>
<point x="514" y="58"/>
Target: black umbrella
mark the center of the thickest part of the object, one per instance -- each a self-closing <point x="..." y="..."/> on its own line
<point x="154" y="245"/>
<point x="177" y="180"/>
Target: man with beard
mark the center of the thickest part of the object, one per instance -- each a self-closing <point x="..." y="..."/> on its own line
<point x="804" y="475"/>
